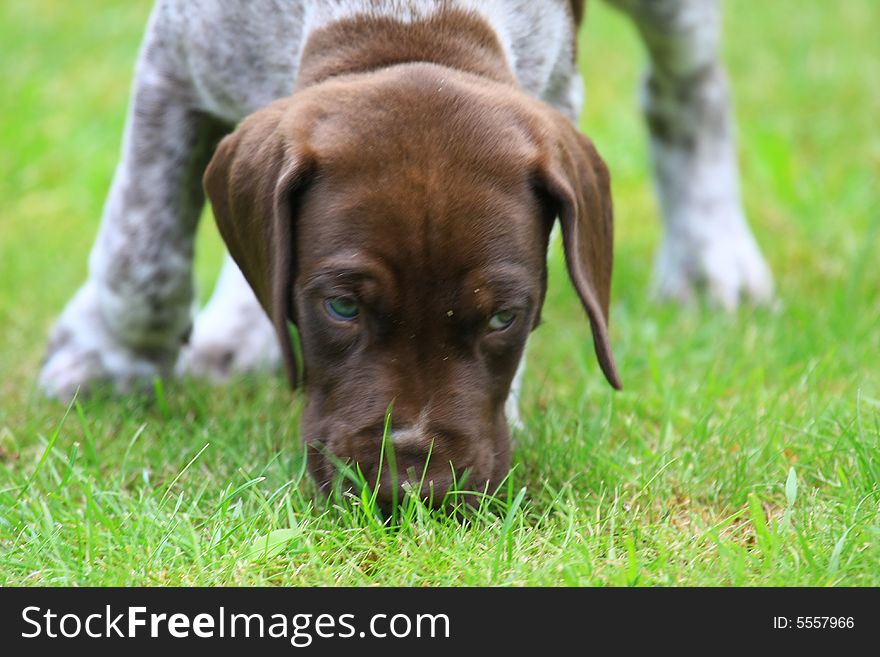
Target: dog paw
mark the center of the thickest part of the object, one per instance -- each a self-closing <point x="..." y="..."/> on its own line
<point x="229" y="343"/>
<point x="720" y="262"/>
<point x="82" y="353"/>
<point x="232" y="336"/>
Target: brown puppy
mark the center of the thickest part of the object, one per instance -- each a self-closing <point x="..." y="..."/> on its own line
<point x="398" y="212"/>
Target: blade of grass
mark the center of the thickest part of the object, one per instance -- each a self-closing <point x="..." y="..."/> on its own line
<point x="48" y="449"/>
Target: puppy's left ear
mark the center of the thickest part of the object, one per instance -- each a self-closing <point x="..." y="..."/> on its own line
<point x="577" y="183"/>
<point x="252" y="182"/>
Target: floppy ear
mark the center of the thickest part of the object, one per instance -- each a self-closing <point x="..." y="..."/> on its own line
<point x="251" y="181"/>
<point x="577" y="182"/>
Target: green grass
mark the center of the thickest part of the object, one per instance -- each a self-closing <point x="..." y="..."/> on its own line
<point x="745" y="449"/>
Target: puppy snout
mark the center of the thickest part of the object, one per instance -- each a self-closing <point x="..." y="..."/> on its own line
<point x="415" y="448"/>
<point x="427" y="460"/>
<point x="418" y="443"/>
<point x="422" y="459"/>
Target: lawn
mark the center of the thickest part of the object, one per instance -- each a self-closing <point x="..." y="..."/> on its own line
<point x="744" y="450"/>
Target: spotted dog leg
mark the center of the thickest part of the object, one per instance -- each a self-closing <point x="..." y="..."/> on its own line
<point x="232" y="335"/>
<point x="125" y="325"/>
<point x="708" y="245"/>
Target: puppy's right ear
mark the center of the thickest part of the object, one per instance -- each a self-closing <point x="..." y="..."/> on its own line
<point x="252" y="181"/>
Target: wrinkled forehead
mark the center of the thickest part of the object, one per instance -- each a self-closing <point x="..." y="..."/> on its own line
<point x="430" y="176"/>
<point x="428" y="221"/>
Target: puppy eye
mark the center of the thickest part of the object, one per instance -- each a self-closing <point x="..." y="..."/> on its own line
<point x="343" y="309"/>
<point x="501" y="320"/>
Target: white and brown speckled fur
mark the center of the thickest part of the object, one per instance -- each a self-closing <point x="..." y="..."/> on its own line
<point x="206" y="64"/>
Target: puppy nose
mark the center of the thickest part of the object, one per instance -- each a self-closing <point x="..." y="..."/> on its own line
<point x="423" y="459"/>
<point x="407" y="437"/>
<point x="411" y="446"/>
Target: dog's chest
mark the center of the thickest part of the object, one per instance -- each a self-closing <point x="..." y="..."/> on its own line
<point x="242" y="56"/>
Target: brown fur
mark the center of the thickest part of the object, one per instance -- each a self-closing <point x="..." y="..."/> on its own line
<point x="426" y="189"/>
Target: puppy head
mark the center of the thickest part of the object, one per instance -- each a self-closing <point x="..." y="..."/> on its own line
<point x="401" y="221"/>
